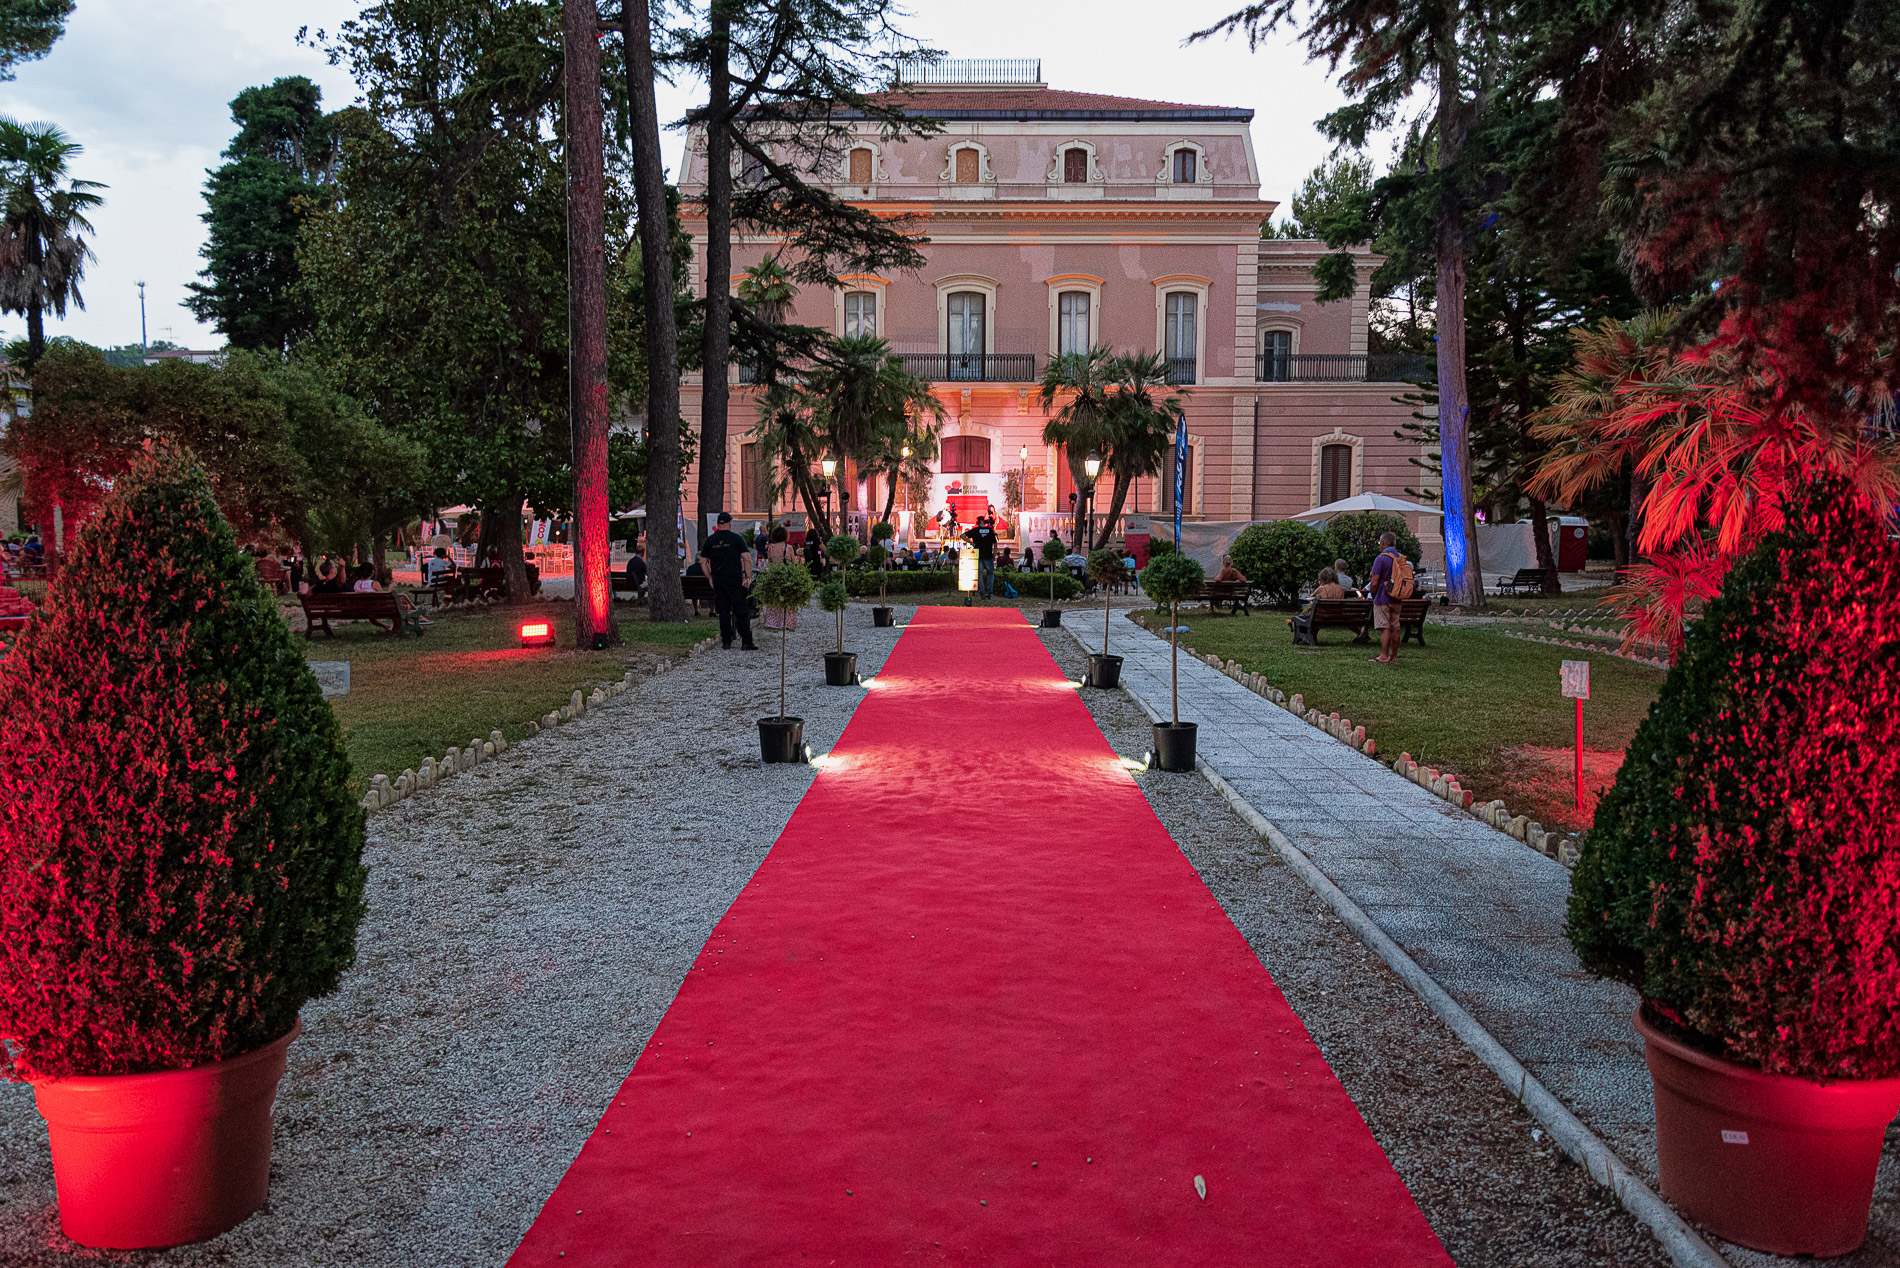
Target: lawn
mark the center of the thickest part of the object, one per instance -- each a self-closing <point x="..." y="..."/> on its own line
<point x="1472" y="701"/>
<point x="468" y="675"/>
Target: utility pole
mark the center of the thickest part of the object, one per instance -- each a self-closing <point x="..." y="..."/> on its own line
<point x="143" y="343"/>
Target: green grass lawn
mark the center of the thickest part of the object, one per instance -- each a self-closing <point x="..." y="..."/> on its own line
<point x="1472" y="701"/>
<point x="469" y="675"/>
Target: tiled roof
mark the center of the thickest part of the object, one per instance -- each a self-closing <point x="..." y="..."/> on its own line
<point x="1047" y="103"/>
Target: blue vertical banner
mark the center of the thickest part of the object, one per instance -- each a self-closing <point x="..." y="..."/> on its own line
<point x="1180" y="471"/>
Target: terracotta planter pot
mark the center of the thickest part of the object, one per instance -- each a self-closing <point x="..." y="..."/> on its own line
<point x="144" y="1160"/>
<point x="1769" y="1161"/>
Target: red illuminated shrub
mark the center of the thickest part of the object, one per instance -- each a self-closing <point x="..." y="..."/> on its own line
<point x="180" y="858"/>
<point x="1744" y="873"/>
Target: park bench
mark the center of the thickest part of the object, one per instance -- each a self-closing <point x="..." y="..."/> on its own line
<point x="1356" y="614"/>
<point x="380" y="610"/>
<point x="623" y="584"/>
<point x="1527" y="579"/>
<point x="1235" y="594"/>
<point x="696" y="588"/>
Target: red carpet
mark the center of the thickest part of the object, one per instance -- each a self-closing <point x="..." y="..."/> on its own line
<point x="976" y="1008"/>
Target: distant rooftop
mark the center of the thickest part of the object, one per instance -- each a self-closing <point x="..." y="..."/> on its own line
<point x="964" y="71"/>
<point x="1032" y="101"/>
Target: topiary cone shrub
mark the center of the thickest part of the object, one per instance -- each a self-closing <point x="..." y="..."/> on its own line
<point x="180" y="856"/>
<point x="1744" y="872"/>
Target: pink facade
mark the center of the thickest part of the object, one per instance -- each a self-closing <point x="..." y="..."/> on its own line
<point x="1055" y="219"/>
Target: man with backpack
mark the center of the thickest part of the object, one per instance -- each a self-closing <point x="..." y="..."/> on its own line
<point x="1392" y="580"/>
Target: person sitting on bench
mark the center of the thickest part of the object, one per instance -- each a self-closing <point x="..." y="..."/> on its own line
<point x="382" y="584"/>
<point x="1329" y="587"/>
<point x="1227" y="570"/>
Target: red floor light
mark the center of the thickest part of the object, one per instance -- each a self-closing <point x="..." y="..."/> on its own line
<point x="537" y="634"/>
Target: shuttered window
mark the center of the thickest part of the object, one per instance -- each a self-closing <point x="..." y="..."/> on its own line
<point x="755" y="494"/>
<point x="1187" y="484"/>
<point x="1072" y="322"/>
<point x="1075" y="166"/>
<point x="1335" y="473"/>
<point x="965" y="455"/>
<point x="860" y="166"/>
<point x="966" y="166"/>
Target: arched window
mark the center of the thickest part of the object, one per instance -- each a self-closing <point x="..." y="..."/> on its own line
<point x="1185" y="166"/>
<point x="861" y="166"/>
<point x="860" y="313"/>
<point x="1072" y="321"/>
<point x="1335" y="473"/>
<point x="965" y="455"/>
<point x="1075" y="165"/>
<point x="965" y="337"/>
<point x="967" y="166"/>
<point x="751" y="169"/>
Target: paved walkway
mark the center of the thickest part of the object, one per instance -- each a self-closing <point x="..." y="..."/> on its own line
<point x="1480" y="912"/>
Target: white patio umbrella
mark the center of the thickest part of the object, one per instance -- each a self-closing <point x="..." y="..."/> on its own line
<point x="1368" y="502"/>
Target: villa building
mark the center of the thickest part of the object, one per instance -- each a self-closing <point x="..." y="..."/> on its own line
<point x="1060" y="220"/>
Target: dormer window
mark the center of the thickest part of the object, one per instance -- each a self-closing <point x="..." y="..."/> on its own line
<point x="1185" y="167"/>
<point x="1075" y="166"/>
<point x="861" y="166"/>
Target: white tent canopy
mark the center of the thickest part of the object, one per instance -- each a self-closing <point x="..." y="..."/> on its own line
<point x="1368" y="502"/>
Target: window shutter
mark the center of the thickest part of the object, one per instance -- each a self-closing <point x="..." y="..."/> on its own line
<point x="966" y="166"/>
<point x="1075" y="166"/>
<point x="1335" y="473"/>
<point x="860" y="166"/>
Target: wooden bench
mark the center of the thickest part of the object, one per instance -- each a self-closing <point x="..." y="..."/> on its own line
<point x="380" y="610"/>
<point x="1531" y="579"/>
<point x="271" y="573"/>
<point x="1356" y="614"/>
<point x="696" y="588"/>
<point x="623" y="584"/>
<point x="1235" y="594"/>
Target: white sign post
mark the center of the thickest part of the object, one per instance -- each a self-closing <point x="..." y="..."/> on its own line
<point x="1576" y="683"/>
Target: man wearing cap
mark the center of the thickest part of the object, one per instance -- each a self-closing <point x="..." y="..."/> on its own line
<point x="983" y="537"/>
<point x="728" y="563"/>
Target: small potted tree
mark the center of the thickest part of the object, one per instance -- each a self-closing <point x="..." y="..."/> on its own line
<point x="1053" y="552"/>
<point x="180" y="865"/>
<point x="879" y="557"/>
<point x="1168" y="579"/>
<point x="782" y="589"/>
<point x="1105" y="569"/>
<point x="1741" y="876"/>
<point x="841" y="667"/>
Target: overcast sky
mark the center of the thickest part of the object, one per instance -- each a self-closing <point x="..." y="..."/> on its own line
<point x="146" y="87"/>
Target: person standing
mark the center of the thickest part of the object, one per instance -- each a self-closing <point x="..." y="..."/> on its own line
<point x="983" y="538"/>
<point x="1385" y="613"/>
<point x="728" y="562"/>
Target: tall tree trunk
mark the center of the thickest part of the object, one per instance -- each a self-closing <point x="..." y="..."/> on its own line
<point x="666" y="600"/>
<point x="1540" y="538"/>
<point x="716" y="347"/>
<point x="587" y="327"/>
<point x="379" y="550"/>
<point x="1115" y="502"/>
<point x="1619" y="543"/>
<point x="1633" y="522"/>
<point x="35" y="335"/>
<point x="1464" y="575"/>
<point x="506" y="544"/>
<point x="890" y="497"/>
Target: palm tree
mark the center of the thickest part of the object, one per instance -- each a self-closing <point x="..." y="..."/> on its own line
<point x="42" y="256"/>
<point x="1080" y="380"/>
<point x="1140" y="428"/>
<point x="862" y="401"/>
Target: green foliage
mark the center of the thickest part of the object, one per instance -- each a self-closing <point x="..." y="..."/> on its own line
<point x="886" y="583"/>
<point x="1054" y="550"/>
<point x="1281" y="557"/>
<point x="1741" y="872"/>
<point x="45" y="223"/>
<point x="180" y="856"/>
<point x="784" y="585"/>
<point x="1355" y="539"/>
<point x="1171" y="579"/>
<point x="1159" y="546"/>
<point x="1105" y="565"/>
<point x="877" y="556"/>
<point x="882" y="531"/>
<point x="257" y="201"/>
<point x="843" y="550"/>
<point x="1034" y="585"/>
<point x="28" y="29"/>
<point x="832" y="596"/>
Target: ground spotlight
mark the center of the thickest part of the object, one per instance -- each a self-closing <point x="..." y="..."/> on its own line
<point x="537" y="634"/>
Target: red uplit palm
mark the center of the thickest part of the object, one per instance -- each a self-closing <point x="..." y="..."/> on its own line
<point x="1719" y="452"/>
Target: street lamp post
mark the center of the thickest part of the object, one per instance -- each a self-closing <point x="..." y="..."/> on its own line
<point x="830" y="468"/>
<point x="1091" y="467"/>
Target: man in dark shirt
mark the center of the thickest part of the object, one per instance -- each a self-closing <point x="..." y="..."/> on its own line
<point x="983" y="537"/>
<point x="728" y="563"/>
<point x="637" y="570"/>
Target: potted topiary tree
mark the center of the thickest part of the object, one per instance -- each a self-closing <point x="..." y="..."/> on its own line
<point x="180" y="865"/>
<point x="880" y="557"/>
<point x="1105" y="569"/>
<point x="782" y="589"/>
<point x="841" y="667"/>
<point x="1053" y="552"/>
<point x="1741" y="875"/>
<point x="1168" y="579"/>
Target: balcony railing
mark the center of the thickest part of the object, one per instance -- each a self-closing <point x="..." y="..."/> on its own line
<point x="1181" y="371"/>
<point x="972" y="367"/>
<point x="1377" y="367"/>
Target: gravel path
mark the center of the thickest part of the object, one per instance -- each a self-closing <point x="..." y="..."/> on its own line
<point x="1495" y="1192"/>
<point x="529" y="923"/>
